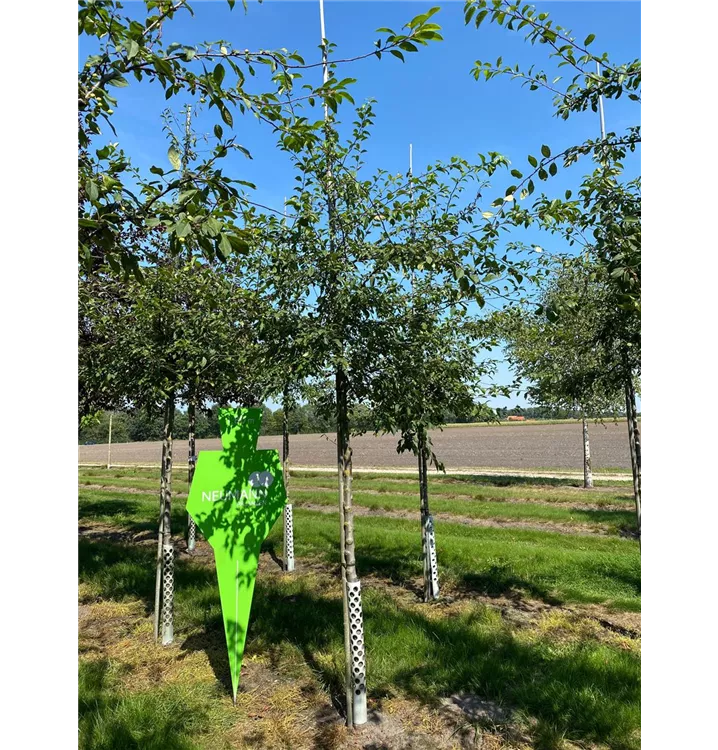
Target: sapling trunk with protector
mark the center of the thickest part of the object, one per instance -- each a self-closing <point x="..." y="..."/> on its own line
<point x="288" y="545"/>
<point x="191" y="460"/>
<point x="587" y="474"/>
<point x="428" y="540"/>
<point x="634" y="441"/>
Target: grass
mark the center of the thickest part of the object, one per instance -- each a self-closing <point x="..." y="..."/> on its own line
<point x="479" y="487"/>
<point x="553" y="567"/>
<point x="557" y="674"/>
<point x="611" y="520"/>
<point x="556" y="670"/>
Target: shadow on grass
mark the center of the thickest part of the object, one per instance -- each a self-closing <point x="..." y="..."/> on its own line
<point x="505" y="480"/>
<point x="121" y="571"/>
<point x="132" y="514"/>
<point x="402" y="569"/>
<point x="583" y="690"/>
<point x="156" y="720"/>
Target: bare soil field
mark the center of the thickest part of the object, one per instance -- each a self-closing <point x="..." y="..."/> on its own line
<point x="516" y="446"/>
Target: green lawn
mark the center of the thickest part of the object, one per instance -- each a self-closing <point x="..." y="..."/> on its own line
<point x="560" y="673"/>
<point x="470" y="487"/>
<point x="546" y="565"/>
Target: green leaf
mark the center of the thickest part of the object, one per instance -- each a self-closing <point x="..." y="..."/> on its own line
<point x="396" y="53"/>
<point x="157" y="170"/>
<point x="118" y="80"/>
<point x="218" y="74"/>
<point x="186" y="195"/>
<point x="182" y="228"/>
<point x="238" y="244"/>
<point x="226" y="115"/>
<point x="533" y="161"/>
<point x="174" y="156"/>
<point x="132" y="49"/>
<point x="218" y="131"/>
<point x="93" y="192"/>
<point x="515" y="173"/>
<point x="224" y="246"/>
<point x="588" y="40"/>
<point x="546" y="151"/>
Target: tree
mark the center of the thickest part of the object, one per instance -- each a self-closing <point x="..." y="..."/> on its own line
<point x="351" y="235"/>
<point x="97" y="430"/>
<point x="434" y="370"/>
<point x="605" y="218"/>
<point x="559" y="358"/>
<point x="184" y="324"/>
<point x="114" y="196"/>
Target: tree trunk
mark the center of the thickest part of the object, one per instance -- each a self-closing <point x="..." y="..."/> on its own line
<point x="165" y="505"/>
<point x="109" y="443"/>
<point x="587" y="474"/>
<point x="191" y="461"/>
<point x="164" y="598"/>
<point x="288" y="546"/>
<point x="428" y="539"/>
<point x="351" y="589"/>
<point x="634" y="441"/>
<point x="158" y="572"/>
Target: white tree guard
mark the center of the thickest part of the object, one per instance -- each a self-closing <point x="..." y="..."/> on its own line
<point x="191" y="525"/>
<point x="168" y="593"/>
<point x="191" y="533"/>
<point x="288" y="538"/>
<point x="432" y="563"/>
<point x="356" y="629"/>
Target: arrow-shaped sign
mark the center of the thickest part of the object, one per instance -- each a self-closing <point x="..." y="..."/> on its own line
<point x="237" y="494"/>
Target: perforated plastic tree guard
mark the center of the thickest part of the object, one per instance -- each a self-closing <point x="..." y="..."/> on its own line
<point x="237" y="494"/>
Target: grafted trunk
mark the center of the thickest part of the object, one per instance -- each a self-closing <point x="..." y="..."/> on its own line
<point x="351" y="586"/>
<point x="587" y="473"/>
<point x="191" y="462"/>
<point x="163" y="599"/>
<point x="428" y="540"/>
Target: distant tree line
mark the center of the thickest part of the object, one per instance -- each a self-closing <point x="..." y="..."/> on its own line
<point x="137" y="425"/>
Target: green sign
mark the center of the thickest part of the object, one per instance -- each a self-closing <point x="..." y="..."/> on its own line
<point x="236" y="496"/>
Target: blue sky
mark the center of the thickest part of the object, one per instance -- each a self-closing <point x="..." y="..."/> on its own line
<point x="431" y="100"/>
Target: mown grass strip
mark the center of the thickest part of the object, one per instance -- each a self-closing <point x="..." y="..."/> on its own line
<point x="540" y="564"/>
<point x="569" y="683"/>
<point x="481" y="488"/>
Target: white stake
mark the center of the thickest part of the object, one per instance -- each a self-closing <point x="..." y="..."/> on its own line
<point x="324" y="53"/>
<point x="600" y="104"/>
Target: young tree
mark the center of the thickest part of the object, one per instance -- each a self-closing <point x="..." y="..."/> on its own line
<point x="605" y="217"/>
<point x="351" y="233"/>
<point x="559" y="357"/>
<point x="434" y="370"/>
<point x="112" y="194"/>
<point x="184" y="330"/>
